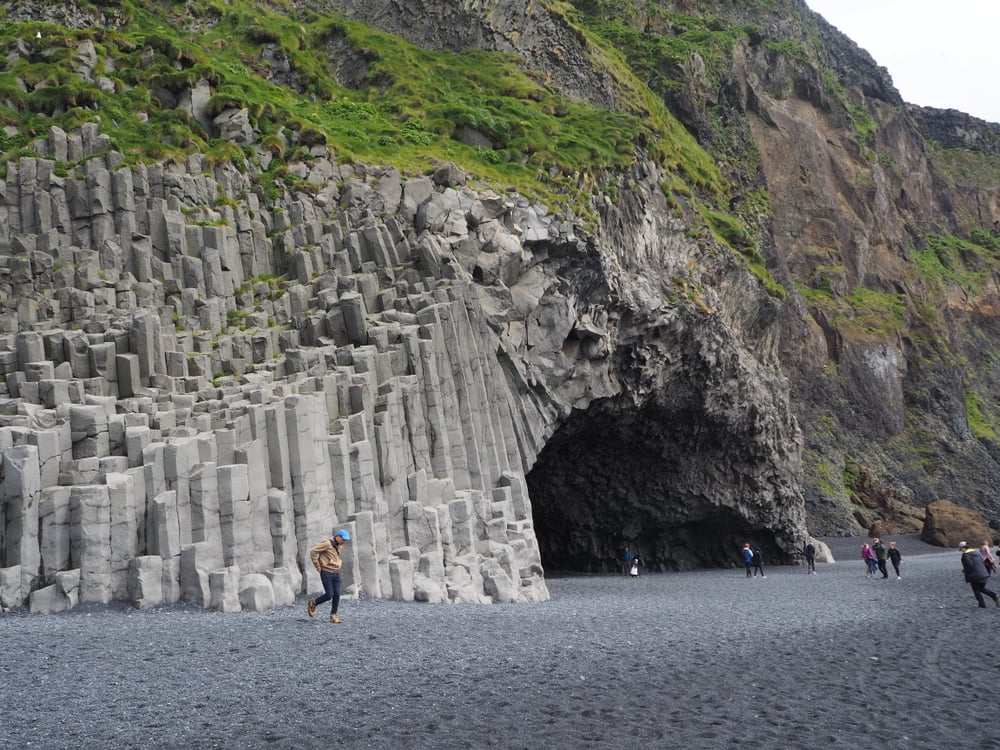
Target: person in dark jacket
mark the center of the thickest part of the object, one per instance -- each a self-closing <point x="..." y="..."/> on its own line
<point x="976" y="574"/>
<point x="747" y="554"/>
<point x="809" y="551"/>
<point x="879" y="549"/>
<point x="895" y="557"/>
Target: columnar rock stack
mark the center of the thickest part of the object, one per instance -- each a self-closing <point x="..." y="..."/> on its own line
<point x="178" y="422"/>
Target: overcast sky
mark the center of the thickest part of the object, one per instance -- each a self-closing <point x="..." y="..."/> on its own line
<point x="939" y="54"/>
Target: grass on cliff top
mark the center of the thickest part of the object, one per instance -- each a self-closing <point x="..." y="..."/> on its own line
<point x="409" y="107"/>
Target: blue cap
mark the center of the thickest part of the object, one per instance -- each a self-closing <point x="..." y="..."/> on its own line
<point x="343" y="535"/>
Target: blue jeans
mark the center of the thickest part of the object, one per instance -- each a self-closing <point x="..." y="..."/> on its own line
<point x="331" y="590"/>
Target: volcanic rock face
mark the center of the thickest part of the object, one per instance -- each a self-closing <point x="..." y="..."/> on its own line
<point x="692" y="448"/>
<point x="178" y="425"/>
<point x="201" y="385"/>
<point x="379" y="405"/>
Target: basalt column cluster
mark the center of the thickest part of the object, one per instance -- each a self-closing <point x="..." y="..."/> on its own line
<point x="178" y="423"/>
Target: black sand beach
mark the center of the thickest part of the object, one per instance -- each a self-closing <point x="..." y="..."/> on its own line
<point x="701" y="659"/>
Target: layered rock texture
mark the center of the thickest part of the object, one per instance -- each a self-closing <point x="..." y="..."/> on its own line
<point x="376" y="400"/>
<point x="207" y="370"/>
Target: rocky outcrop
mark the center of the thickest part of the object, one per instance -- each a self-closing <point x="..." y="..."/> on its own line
<point x="159" y="453"/>
<point x="950" y="128"/>
<point x="947" y="524"/>
<point x="203" y="376"/>
<point x="180" y="425"/>
<point x="883" y="353"/>
<point x="884" y="509"/>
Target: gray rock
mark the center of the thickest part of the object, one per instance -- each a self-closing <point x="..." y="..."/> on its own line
<point x="10" y="587"/>
<point x="145" y="581"/>
<point x="256" y="593"/>
<point x="225" y="586"/>
<point x="234" y="125"/>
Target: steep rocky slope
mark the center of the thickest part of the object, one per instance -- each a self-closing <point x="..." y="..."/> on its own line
<point x="772" y="321"/>
<point x="877" y="217"/>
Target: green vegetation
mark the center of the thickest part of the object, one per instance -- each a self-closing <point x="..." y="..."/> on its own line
<point x="409" y="108"/>
<point x="659" y="59"/>
<point x="948" y="260"/>
<point x="965" y="166"/>
<point x="729" y="230"/>
<point x="825" y="475"/>
<point x="863" y="311"/>
<point x="401" y="104"/>
<point x="791" y="49"/>
<point x="981" y="425"/>
<point x="877" y="312"/>
<point x="864" y="125"/>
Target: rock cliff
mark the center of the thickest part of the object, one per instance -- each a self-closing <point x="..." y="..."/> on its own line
<point x="213" y="358"/>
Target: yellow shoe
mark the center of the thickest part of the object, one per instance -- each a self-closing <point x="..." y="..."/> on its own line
<point x="334" y="618"/>
<point x="311" y="607"/>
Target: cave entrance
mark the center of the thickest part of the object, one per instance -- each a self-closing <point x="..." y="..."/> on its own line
<point x="661" y="482"/>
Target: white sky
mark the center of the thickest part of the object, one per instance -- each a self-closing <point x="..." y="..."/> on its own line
<point x="939" y="54"/>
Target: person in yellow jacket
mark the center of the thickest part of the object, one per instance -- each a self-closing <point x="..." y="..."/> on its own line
<point x="325" y="558"/>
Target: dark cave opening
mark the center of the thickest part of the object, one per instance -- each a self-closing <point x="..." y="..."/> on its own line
<point x="668" y="484"/>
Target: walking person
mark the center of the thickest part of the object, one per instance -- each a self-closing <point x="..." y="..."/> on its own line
<point x="758" y="563"/>
<point x="634" y="568"/>
<point x="976" y="575"/>
<point x="895" y="557"/>
<point x="627" y="559"/>
<point x="809" y="551"/>
<point x="748" y="559"/>
<point x="869" y="557"/>
<point x="988" y="560"/>
<point x="326" y="559"/>
<point x="879" y="549"/>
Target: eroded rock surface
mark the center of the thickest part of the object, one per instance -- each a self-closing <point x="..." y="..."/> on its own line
<point x="179" y="423"/>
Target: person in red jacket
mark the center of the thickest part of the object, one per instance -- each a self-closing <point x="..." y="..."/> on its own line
<point x="325" y="558"/>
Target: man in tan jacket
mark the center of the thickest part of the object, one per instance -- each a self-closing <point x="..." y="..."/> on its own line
<point x="325" y="558"/>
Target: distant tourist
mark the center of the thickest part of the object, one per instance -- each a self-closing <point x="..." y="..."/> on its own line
<point x="809" y="551"/>
<point x="976" y="574"/>
<point x="634" y="567"/>
<point x="895" y="557"/>
<point x="988" y="560"/>
<point x="869" y="557"/>
<point x="758" y="563"/>
<point x="748" y="559"/>
<point x="325" y="558"/>
<point x="627" y="559"/>
<point x="879" y="549"/>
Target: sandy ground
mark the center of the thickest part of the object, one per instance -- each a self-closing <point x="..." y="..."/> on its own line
<point x="706" y="659"/>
